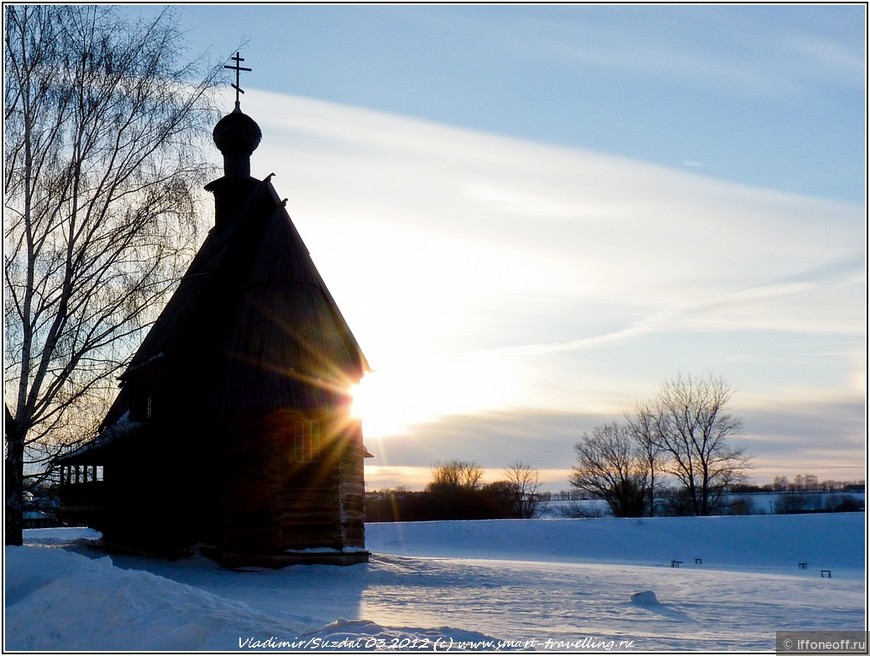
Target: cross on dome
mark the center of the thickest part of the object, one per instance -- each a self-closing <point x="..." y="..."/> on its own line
<point x="237" y="68"/>
<point x="237" y="135"/>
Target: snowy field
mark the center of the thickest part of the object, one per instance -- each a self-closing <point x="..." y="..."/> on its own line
<point x="596" y="585"/>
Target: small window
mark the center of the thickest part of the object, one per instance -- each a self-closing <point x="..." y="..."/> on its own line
<point x="305" y="445"/>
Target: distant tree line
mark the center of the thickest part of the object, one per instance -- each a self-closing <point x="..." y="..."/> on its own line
<point x="811" y="483"/>
<point x="834" y="496"/>
<point x="779" y="484"/>
<point x="455" y="491"/>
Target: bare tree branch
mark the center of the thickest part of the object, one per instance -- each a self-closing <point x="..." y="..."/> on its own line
<point x="522" y="485"/>
<point x="103" y="169"/>
<point x="611" y="467"/>
<point x="693" y="428"/>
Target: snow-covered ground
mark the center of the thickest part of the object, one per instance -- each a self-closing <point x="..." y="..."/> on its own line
<point x="595" y="584"/>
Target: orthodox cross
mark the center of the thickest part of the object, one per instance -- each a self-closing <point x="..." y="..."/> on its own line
<point x="237" y="68"/>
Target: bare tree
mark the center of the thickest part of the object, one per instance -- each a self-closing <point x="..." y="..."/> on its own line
<point x="102" y="171"/>
<point x="454" y="491"/>
<point x="642" y="427"/>
<point x="611" y="467"/>
<point x="455" y="475"/>
<point x="692" y="427"/>
<point x="522" y="488"/>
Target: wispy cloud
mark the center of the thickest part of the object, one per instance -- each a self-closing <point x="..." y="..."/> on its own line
<point x="693" y="314"/>
<point x="783" y="440"/>
<point x="482" y="273"/>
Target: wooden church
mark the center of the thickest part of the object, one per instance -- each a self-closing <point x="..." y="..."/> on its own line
<point x="232" y="431"/>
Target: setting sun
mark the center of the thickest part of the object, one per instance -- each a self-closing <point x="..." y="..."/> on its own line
<point x="390" y="401"/>
<point x="387" y="406"/>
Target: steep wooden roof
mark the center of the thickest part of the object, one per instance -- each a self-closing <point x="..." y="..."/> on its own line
<point x="252" y="327"/>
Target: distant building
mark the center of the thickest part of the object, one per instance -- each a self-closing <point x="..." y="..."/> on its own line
<point x="232" y="428"/>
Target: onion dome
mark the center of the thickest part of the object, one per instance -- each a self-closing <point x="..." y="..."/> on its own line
<point x="237" y="135"/>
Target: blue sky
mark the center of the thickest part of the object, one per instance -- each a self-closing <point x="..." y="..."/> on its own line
<point x="765" y="95"/>
<point x="531" y="216"/>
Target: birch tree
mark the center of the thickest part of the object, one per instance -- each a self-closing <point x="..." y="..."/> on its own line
<point x="102" y="173"/>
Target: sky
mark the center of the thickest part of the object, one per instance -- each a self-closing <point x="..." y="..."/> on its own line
<point x="532" y="216"/>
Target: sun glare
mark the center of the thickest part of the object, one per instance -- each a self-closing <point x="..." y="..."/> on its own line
<point x="361" y="395"/>
<point x="392" y="400"/>
<point x="381" y="407"/>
